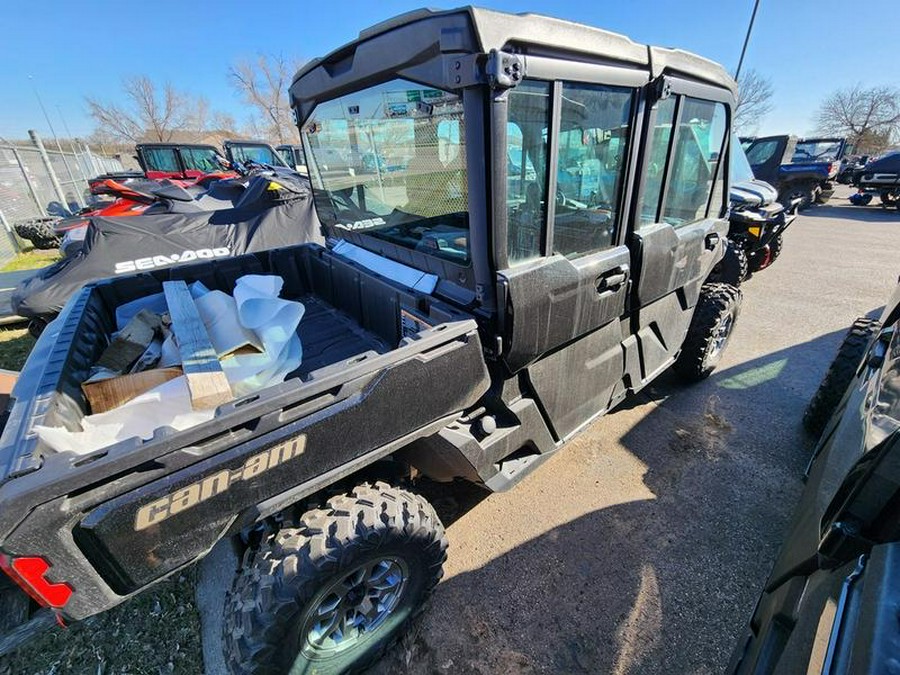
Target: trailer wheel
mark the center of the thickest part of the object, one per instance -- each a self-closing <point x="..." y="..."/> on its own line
<point x="711" y="327"/>
<point x="806" y="192"/>
<point x="332" y="594"/>
<point x="839" y="374"/>
<point x="36" y="326"/>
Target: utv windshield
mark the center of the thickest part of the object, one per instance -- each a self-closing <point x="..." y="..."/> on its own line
<point x="739" y="165"/>
<point x="389" y="161"/>
<point x="817" y="151"/>
<point x="259" y="153"/>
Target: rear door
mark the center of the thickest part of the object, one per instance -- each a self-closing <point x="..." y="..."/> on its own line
<point x="766" y="155"/>
<point x="566" y="269"/>
<point x="199" y="161"/>
<point x="680" y="220"/>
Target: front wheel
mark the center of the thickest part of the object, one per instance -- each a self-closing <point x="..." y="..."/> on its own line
<point x="840" y="374"/>
<point x="733" y="268"/>
<point x="332" y="594"/>
<point x="711" y="327"/>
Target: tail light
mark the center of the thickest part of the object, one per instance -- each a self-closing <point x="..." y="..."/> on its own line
<point x="29" y="573"/>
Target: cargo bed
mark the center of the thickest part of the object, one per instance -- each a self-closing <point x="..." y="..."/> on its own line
<point x="368" y="384"/>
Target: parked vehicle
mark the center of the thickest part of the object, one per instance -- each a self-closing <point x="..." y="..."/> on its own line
<point x="801" y="169"/>
<point x="830" y="602"/>
<point x="881" y="176"/>
<point x="262" y="210"/>
<point x="454" y="329"/>
<point x="851" y="169"/>
<point x="143" y="196"/>
<point x="178" y="160"/>
<point x="258" y="152"/>
<point x="756" y="225"/>
<point x="294" y="157"/>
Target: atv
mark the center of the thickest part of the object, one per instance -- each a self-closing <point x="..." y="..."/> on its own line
<point x="756" y="225"/>
<point x="881" y="176"/>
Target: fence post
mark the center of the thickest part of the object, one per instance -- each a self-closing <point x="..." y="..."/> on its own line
<point x="10" y="233"/>
<point x="72" y="180"/>
<point x="31" y="189"/>
<point x="97" y="171"/>
<point x="53" y="179"/>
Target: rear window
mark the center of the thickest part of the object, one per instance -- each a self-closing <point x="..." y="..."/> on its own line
<point x="817" y="151"/>
<point x="389" y="162"/>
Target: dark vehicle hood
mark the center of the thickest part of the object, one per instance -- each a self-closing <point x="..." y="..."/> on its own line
<point x="888" y="164"/>
<point x="752" y="193"/>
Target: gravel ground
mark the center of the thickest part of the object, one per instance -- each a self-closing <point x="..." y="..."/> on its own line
<point x="642" y="545"/>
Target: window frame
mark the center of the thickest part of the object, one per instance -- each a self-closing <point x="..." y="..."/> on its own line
<point x="179" y="166"/>
<point x="621" y="222"/>
<point x="686" y="88"/>
<point x="674" y="139"/>
<point x="557" y="72"/>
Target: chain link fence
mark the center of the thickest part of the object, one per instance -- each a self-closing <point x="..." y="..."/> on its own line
<point x="36" y="182"/>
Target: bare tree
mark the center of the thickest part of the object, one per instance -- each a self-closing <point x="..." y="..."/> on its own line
<point x="868" y="116"/>
<point x="754" y="100"/>
<point x="263" y="84"/>
<point x="149" y="112"/>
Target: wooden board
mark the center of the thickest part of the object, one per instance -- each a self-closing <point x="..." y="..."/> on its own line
<point x="112" y="392"/>
<point x="131" y="342"/>
<point x="206" y="380"/>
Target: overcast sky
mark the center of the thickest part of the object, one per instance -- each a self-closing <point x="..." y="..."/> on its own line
<point x="73" y="48"/>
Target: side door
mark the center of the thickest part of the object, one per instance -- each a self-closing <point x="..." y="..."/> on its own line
<point x="565" y="268"/>
<point x="766" y="155"/>
<point x="680" y="217"/>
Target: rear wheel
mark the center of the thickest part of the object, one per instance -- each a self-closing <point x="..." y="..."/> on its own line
<point x="711" y="328"/>
<point x="839" y="374"/>
<point x="332" y="594"/>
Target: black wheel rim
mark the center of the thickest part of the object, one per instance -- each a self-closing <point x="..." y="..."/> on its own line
<point x="353" y="606"/>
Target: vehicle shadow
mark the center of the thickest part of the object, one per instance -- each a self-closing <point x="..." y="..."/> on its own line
<point x="662" y="584"/>
<point x="873" y="213"/>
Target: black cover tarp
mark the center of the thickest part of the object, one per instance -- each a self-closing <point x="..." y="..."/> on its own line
<point x="117" y="246"/>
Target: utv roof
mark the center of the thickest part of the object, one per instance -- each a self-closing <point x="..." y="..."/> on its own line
<point x="171" y="144"/>
<point x="404" y="45"/>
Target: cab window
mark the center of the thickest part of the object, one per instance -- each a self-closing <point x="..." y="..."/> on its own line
<point x="761" y="152"/>
<point x="200" y="159"/>
<point x="655" y="166"/>
<point x="593" y="137"/>
<point x="526" y="169"/>
<point x="161" y="159"/>
<point x="698" y="145"/>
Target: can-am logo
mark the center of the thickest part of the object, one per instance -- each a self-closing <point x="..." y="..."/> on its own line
<point x="175" y="259"/>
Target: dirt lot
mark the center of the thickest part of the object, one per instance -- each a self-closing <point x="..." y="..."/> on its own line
<point x="640" y="547"/>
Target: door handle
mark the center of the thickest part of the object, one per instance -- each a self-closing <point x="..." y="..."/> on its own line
<point x="712" y="239"/>
<point x="611" y="281"/>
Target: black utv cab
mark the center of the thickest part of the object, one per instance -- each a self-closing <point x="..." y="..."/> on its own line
<point x="522" y="214"/>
